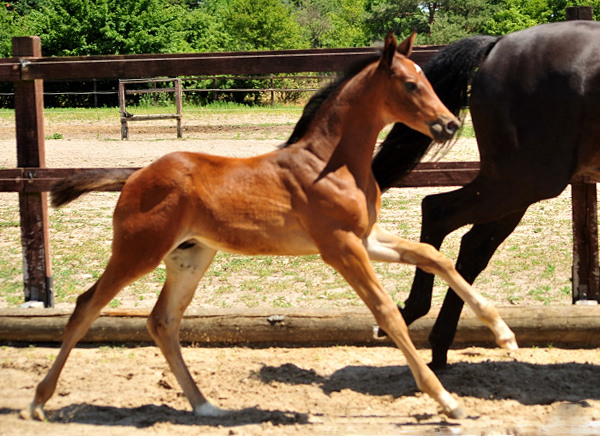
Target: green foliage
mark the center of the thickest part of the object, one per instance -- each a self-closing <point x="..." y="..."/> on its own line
<point x="398" y="16"/>
<point x="456" y="19"/>
<point x="97" y="27"/>
<point x="262" y="25"/>
<point x="87" y="27"/>
<point x="558" y="8"/>
<point x="333" y="23"/>
<point x="347" y="25"/>
<point x="203" y="31"/>
<point x="511" y="19"/>
<point x="9" y="27"/>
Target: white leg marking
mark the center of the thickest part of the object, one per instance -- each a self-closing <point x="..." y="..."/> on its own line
<point x="209" y="410"/>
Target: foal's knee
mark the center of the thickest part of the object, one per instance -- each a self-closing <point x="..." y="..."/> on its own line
<point x="389" y="319"/>
<point x="161" y="326"/>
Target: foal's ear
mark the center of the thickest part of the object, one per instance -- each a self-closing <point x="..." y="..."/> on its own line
<point x="406" y="46"/>
<point x="389" y="48"/>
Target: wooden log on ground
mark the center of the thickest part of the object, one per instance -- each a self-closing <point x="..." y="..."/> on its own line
<point x="572" y="326"/>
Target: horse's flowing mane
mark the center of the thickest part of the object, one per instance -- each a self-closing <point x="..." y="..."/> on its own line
<point x="315" y="102"/>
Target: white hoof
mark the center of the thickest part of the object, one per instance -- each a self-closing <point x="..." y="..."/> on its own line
<point x="450" y="406"/>
<point x="33" y="412"/>
<point x="208" y="410"/>
<point x="508" y="341"/>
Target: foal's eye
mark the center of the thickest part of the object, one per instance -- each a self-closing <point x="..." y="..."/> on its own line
<point x="410" y="86"/>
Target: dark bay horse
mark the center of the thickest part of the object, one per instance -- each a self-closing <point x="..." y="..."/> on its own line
<point x="535" y="105"/>
<point x="316" y="194"/>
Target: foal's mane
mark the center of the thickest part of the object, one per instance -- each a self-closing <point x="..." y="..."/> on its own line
<point x="315" y="102"/>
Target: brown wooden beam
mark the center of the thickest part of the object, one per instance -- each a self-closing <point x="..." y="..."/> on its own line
<point x="428" y="174"/>
<point x="586" y="271"/>
<point x="33" y="206"/>
<point x="571" y="326"/>
<point x="189" y="64"/>
<point x="424" y="175"/>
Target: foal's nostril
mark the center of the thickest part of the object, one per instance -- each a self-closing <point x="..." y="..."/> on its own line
<point x="437" y="129"/>
<point x="452" y="127"/>
<point x="442" y="130"/>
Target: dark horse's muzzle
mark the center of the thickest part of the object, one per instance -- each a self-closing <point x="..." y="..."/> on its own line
<point x="443" y="129"/>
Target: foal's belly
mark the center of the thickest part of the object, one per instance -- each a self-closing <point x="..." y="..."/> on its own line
<point x="260" y="241"/>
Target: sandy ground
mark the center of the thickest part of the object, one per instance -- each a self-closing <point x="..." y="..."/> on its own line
<point x="120" y="390"/>
<point x="304" y="391"/>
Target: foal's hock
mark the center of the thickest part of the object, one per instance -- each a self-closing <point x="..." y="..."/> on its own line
<point x="316" y="194"/>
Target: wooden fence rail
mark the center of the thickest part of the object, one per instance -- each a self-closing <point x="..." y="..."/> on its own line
<point x="31" y="180"/>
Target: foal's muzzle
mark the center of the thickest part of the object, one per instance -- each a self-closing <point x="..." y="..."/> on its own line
<point x="443" y="129"/>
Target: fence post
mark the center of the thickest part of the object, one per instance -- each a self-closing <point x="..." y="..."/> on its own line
<point x="124" y="126"/>
<point x="179" y="106"/>
<point x="586" y="272"/>
<point x="272" y="91"/>
<point x="580" y="13"/>
<point x="31" y="153"/>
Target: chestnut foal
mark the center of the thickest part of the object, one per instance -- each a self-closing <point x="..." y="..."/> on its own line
<point x="316" y="194"/>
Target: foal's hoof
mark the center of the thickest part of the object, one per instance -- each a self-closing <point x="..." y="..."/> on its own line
<point x="457" y="413"/>
<point x="508" y="343"/>
<point x="207" y="410"/>
<point x="33" y="412"/>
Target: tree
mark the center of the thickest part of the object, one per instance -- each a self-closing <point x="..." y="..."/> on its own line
<point x="203" y="29"/>
<point x="88" y="27"/>
<point x="347" y="25"/>
<point x="515" y="16"/>
<point x="558" y="8"/>
<point x="262" y="25"/>
<point x="314" y="18"/>
<point x="10" y="25"/>
<point x="450" y="20"/>
<point x="333" y="23"/>
<point x="398" y="16"/>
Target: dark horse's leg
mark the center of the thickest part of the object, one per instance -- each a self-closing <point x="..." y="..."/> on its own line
<point x="477" y="247"/>
<point x="532" y="137"/>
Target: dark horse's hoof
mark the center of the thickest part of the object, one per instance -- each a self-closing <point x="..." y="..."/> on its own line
<point x="438" y="364"/>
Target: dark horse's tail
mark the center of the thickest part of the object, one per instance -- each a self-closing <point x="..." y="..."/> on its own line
<point x="450" y="71"/>
<point x="68" y="189"/>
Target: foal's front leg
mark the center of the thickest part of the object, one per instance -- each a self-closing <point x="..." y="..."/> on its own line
<point x="384" y="246"/>
<point x="345" y="252"/>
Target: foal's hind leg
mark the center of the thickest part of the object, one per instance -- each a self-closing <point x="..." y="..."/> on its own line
<point x="118" y="274"/>
<point x="386" y="247"/>
<point x="185" y="267"/>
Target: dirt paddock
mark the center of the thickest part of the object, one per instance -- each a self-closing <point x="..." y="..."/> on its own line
<point x="121" y="390"/>
<point x="339" y="390"/>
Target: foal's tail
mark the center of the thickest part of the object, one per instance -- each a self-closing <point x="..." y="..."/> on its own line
<point x="68" y="189"/>
<point x="450" y="72"/>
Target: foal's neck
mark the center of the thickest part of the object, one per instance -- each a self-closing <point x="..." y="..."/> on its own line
<point x="345" y="129"/>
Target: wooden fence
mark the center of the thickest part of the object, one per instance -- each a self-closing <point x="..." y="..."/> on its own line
<point x="27" y="69"/>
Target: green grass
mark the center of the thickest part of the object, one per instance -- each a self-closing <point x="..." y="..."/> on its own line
<point x="526" y="270"/>
<point x="91" y="115"/>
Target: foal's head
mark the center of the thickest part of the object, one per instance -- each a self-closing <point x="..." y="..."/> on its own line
<point x="409" y="95"/>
